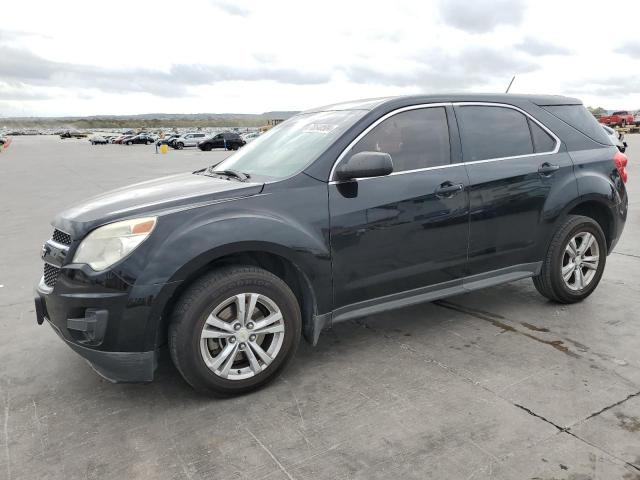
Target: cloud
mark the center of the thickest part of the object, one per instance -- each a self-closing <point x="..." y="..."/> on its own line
<point x="538" y="48"/>
<point x="232" y="8"/>
<point x="481" y="16"/>
<point x="9" y="93"/>
<point x="631" y="48"/>
<point x="620" y="85"/>
<point x="21" y="67"/>
<point x="439" y="70"/>
<point x="11" y="35"/>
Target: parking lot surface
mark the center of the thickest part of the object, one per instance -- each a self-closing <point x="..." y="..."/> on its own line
<point x="499" y="383"/>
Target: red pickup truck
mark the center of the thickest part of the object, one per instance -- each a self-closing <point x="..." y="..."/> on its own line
<point x="621" y="118"/>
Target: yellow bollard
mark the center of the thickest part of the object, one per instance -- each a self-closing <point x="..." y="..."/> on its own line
<point x="164" y="148"/>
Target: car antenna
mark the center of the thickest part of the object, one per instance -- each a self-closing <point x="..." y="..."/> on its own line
<point x="510" y="83"/>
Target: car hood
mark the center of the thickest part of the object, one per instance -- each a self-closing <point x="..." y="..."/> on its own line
<point x="153" y="197"/>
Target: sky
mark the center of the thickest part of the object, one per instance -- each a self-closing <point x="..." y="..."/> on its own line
<point x="221" y="56"/>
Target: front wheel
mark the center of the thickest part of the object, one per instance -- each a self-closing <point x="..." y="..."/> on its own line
<point x="623" y="123"/>
<point x="234" y="330"/>
<point x="179" y="146"/>
<point x="575" y="261"/>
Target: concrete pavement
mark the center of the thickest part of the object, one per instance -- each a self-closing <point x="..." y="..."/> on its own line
<point x="496" y="384"/>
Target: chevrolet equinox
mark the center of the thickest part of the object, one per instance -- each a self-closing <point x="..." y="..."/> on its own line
<point x="339" y="212"/>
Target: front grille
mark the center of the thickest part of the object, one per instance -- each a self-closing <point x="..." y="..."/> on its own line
<point x="61" y="237"/>
<point x="50" y="275"/>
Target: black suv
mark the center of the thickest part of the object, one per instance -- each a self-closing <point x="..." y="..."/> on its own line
<point x="226" y="140"/>
<point x="339" y="212"/>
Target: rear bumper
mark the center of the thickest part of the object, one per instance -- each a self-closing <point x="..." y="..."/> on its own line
<point x="619" y="219"/>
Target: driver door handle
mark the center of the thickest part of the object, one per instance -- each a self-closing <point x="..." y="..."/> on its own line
<point x="448" y="189"/>
<point x="547" y="168"/>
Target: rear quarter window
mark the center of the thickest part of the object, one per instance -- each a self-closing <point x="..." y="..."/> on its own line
<point x="542" y="141"/>
<point x="578" y="117"/>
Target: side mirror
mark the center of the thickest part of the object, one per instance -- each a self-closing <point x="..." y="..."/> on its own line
<point x="365" y="165"/>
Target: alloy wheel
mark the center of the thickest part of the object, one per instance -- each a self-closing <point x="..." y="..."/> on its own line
<point x="580" y="261"/>
<point x="242" y="336"/>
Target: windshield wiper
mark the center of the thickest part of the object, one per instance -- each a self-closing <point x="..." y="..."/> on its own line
<point x="243" y="177"/>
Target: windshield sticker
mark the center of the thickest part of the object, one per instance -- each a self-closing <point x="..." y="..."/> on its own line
<point x="319" y="128"/>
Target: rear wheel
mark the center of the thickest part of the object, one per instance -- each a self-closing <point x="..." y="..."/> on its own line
<point x="575" y="261"/>
<point x="234" y="330"/>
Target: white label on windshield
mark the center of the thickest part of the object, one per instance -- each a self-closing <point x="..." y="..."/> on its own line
<point x="319" y="128"/>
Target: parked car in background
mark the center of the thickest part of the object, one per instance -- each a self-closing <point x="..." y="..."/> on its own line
<point x="98" y="140"/>
<point x="227" y="140"/>
<point x="620" y="118"/>
<point x="188" y="140"/>
<point x="617" y="138"/>
<point x="636" y="118"/>
<point x="250" y="137"/>
<point x="123" y="139"/>
<point x="73" y="134"/>
<point x="167" y="140"/>
<point x="232" y="264"/>
<point x="143" y="138"/>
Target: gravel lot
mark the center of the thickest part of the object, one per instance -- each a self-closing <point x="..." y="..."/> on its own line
<point x="493" y="384"/>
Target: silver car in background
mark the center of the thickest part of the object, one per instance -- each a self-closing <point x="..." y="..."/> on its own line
<point x="617" y="138"/>
<point x="188" y="140"/>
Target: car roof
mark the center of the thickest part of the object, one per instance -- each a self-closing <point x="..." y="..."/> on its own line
<point x="508" y="98"/>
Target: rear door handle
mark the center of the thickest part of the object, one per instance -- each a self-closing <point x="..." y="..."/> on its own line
<point x="448" y="189"/>
<point x="547" y="168"/>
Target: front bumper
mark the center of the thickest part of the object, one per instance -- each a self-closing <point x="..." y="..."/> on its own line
<point x="93" y="324"/>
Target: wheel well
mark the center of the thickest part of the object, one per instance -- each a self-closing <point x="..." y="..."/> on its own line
<point x="600" y="214"/>
<point x="279" y="266"/>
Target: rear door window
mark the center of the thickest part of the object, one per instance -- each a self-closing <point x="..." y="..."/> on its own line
<point x="493" y="132"/>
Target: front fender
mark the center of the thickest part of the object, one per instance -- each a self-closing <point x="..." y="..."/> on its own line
<point x="195" y="238"/>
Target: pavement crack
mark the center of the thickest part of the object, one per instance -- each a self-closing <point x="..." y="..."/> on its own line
<point x="534" y="414"/>
<point x="270" y="453"/>
<point x="626" y="254"/>
<point x="597" y="447"/>
<point x="613" y="405"/>
<point x="497" y="321"/>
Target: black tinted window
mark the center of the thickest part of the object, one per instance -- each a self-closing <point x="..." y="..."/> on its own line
<point x="542" y="141"/>
<point x="493" y="132"/>
<point x="414" y="139"/>
<point x="579" y="118"/>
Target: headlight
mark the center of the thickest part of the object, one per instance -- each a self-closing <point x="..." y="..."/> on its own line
<point x="108" y="244"/>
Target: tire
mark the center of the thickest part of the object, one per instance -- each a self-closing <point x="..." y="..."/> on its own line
<point x="206" y="148"/>
<point x="623" y="123"/>
<point x="551" y="283"/>
<point x="190" y="353"/>
<point x="128" y="143"/>
<point x="179" y="146"/>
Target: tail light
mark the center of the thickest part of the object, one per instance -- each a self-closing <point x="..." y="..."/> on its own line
<point x="621" y="160"/>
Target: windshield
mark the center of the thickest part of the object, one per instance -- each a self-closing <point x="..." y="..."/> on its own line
<point x="291" y="146"/>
